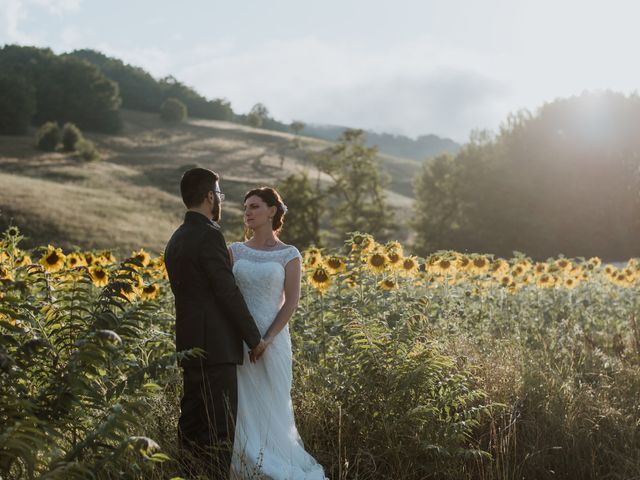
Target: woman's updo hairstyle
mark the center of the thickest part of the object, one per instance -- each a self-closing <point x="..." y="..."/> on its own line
<point x="272" y="198"/>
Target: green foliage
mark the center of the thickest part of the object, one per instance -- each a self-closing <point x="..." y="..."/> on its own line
<point x="173" y="111"/>
<point x="66" y="89"/>
<point x="87" y="150"/>
<point x="358" y="184"/>
<point x="17" y="104"/>
<point x="302" y="222"/>
<point x="71" y="135"/>
<point x="76" y="365"/>
<point x="297" y="127"/>
<point x="562" y="180"/>
<point x="48" y="136"/>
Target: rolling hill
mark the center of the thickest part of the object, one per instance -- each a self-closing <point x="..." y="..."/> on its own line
<point x="131" y="198"/>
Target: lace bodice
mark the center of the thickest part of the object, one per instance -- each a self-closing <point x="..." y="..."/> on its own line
<point x="260" y="277"/>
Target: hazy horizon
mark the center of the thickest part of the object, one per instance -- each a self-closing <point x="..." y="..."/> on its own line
<point x="410" y="67"/>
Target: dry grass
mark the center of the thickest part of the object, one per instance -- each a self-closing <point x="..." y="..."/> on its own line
<point x="131" y="197"/>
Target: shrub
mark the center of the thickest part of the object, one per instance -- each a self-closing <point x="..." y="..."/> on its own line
<point x="48" y="136"/>
<point x="70" y="136"/>
<point x="173" y="111"/>
<point x="87" y="150"/>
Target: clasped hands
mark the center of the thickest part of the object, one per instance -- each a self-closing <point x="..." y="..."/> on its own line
<point x="258" y="350"/>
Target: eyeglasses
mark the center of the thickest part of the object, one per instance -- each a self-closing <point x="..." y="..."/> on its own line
<point x="220" y="194"/>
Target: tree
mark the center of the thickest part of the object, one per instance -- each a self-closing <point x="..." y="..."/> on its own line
<point x="358" y="186"/>
<point x="258" y="115"/>
<point x="17" y="104"/>
<point x="306" y="207"/>
<point x="297" y="127"/>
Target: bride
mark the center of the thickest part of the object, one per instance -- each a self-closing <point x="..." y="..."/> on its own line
<point x="267" y="444"/>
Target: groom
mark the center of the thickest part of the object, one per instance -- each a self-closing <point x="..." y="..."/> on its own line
<point x="212" y="315"/>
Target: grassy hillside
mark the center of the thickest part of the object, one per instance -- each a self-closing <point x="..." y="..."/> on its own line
<point x="131" y="198"/>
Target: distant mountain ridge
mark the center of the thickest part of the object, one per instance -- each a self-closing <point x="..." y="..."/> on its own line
<point x="423" y="147"/>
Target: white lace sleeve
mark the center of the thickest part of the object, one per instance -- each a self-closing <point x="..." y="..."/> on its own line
<point x="289" y="254"/>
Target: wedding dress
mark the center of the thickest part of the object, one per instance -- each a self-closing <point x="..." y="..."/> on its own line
<point x="267" y="444"/>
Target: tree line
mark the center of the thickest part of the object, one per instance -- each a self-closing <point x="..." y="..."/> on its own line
<point x="562" y="180"/>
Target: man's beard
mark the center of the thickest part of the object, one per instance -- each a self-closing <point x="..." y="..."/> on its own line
<point x="216" y="211"/>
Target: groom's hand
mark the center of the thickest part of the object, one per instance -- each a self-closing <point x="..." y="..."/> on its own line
<point x="258" y="350"/>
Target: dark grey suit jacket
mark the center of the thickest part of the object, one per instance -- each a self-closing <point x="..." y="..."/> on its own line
<point x="211" y="313"/>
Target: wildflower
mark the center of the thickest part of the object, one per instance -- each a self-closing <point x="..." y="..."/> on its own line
<point x="149" y="292"/>
<point x="445" y="265"/>
<point x="99" y="275"/>
<point x="319" y="278"/>
<point x="387" y="284"/>
<point x="563" y="264"/>
<point x="53" y="260"/>
<point x="377" y="262"/>
<point x="335" y="264"/>
<point x="107" y="258"/>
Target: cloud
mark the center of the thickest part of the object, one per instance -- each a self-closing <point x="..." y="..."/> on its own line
<point x="412" y="88"/>
<point x="15" y="12"/>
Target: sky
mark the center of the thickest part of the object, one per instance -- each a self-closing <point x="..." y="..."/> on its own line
<point x="411" y="67"/>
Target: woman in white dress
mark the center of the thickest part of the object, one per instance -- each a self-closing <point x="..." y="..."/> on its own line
<point x="268" y="272"/>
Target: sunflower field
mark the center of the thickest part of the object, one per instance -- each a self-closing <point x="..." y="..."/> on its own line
<point x="451" y="366"/>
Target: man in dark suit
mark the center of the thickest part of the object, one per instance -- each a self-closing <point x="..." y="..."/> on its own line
<point x="211" y="314"/>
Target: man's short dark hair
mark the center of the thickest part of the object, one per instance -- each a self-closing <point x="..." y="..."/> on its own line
<point x="195" y="185"/>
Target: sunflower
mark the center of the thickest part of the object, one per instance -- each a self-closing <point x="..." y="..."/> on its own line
<point x="463" y="262"/>
<point x="53" y="260"/>
<point x="129" y="291"/>
<point x="445" y="265"/>
<point x="141" y="256"/>
<point x="546" y="281"/>
<point x="350" y="281"/>
<point x="22" y="260"/>
<point x="595" y="261"/>
<point x="387" y="284"/>
<point x="610" y="270"/>
<point x="570" y="283"/>
<point x="506" y="280"/>
<point x="395" y="259"/>
<point x="377" y="262"/>
<point x="335" y="264"/>
<point x="409" y="266"/>
<point x="319" y="278"/>
<point x="107" y="258"/>
<point x="564" y="264"/>
<point x="99" y="275"/>
<point x="3" y="256"/>
<point x="5" y="273"/>
<point x="149" y="292"/>
<point x="498" y="268"/>
<point x="312" y="257"/>
<point x="517" y="270"/>
<point x="620" y="279"/>
<point x="13" y="231"/>
<point x="361" y="242"/>
<point x="480" y="264"/>
<point x="76" y="260"/>
<point x="540" y="268"/>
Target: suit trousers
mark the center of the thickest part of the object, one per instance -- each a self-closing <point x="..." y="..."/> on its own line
<point x="209" y="406"/>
